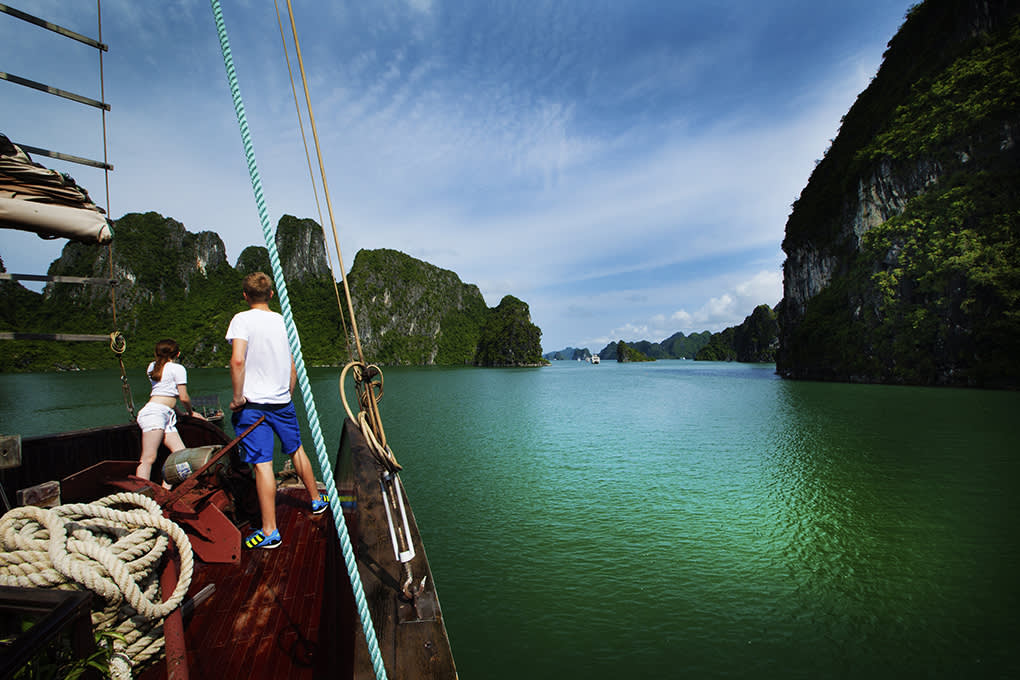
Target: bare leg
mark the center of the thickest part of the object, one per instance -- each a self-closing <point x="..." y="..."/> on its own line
<point x="173" y="441"/>
<point x="265" y="488"/>
<point x="304" y="469"/>
<point x="150" y="447"/>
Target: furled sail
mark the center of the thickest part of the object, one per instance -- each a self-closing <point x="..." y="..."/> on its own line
<point x="46" y="202"/>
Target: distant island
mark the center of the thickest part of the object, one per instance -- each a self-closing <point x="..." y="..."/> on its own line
<point x="756" y="340"/>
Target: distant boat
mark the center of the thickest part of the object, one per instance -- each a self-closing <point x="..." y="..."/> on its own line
<point x="595" y="359"/>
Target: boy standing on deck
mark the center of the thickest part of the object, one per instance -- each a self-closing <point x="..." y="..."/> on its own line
<point x="263" y="377"/>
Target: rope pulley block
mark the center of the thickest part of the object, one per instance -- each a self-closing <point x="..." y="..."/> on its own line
<point x="400" y="532"/>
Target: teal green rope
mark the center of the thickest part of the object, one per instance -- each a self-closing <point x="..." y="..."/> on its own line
<point x="295" y="346"/>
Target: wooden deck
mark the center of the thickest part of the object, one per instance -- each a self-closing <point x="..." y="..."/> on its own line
<point x="273" y="615"/>
<point x="288" y="612"/>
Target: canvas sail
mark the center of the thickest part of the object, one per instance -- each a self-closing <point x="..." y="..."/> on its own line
<point x="46" y="202"/>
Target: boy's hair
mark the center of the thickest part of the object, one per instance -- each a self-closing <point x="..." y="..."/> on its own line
<point x="258" y="287"/>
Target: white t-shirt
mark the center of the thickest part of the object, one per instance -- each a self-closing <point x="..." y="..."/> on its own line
<point x="166" y="386"/>
<point x="267" y="361"/>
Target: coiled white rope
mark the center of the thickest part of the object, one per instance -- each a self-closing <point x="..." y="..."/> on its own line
<point x="112" y="547"/>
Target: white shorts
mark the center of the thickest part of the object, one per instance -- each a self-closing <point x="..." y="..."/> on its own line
<point x="155" y="416"/>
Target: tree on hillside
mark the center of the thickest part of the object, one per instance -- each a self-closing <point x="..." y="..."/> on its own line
<point x="626" y="353"/>
<point x="757" y="339"/>
<point x="508" y="337"/>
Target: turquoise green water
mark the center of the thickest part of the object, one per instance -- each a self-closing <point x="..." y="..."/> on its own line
<point x="681" y="519"/>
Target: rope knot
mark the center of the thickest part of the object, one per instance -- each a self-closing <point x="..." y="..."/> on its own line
<point x="113" y="547"/>
<point x="118" y="344"/>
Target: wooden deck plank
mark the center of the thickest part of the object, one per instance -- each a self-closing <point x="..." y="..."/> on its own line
<point x="271" y="601"/>
<point x="263" y="620"/>
<point x="289" y="612"/>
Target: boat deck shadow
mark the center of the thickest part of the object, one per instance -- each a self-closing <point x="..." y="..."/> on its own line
<point x="266" y="614"/>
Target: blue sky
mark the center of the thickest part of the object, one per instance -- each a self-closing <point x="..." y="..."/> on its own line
<point x="625" y="168"/>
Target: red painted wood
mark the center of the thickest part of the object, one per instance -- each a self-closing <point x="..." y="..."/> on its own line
<point x="265" y="617"/>
<point x="287" y="612"/>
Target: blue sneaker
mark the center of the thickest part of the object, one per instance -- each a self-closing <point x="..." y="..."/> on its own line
<point x="260" y="540"/>
<point x="320" y="504"/>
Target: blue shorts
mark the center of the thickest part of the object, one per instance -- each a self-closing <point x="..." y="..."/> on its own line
<point x="281" y="419"/>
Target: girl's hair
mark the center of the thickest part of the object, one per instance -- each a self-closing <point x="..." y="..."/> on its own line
<point x="165" y="351"/>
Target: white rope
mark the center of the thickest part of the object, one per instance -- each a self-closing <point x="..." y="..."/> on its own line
<point x="112" y="547"/>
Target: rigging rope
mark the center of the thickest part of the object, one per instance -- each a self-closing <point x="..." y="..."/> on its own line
<point x="102" y="98"/>
<point x="369" y="391"/>
<point x="118" y="345"/>
<point x="325" y="185"/>
<point x="373" y="420"/>
<point x="113" y="547"/>
<point x="369" y="419"/>
<point x="295" y="344"/>
<point x="311" y="175"/>
<point x="118" y="349"/>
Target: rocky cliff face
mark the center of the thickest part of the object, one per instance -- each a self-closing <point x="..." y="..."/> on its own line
<point x="412" y="312"/>
<point x="173" y="283"/>
<point x="301" y="246"/>
<point x="878" y="242"/>
<point x="880" y="195"/>
<point x="155" y="260"/>
<point x="508" y="337"/>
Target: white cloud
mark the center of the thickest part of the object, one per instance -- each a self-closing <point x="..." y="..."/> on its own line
<point x="733" y="306"/>
<point x="622" y="192"/>
<point x="765" y="286"/>
<point x="423" y="6"/>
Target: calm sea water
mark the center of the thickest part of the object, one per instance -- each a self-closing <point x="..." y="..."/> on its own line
<point x="682" y="519"/>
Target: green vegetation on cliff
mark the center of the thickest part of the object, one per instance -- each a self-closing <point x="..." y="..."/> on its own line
<point x="173" y="283"/>
<point x="508" y="337"/>
<point x="972" y="96"/>
<point x="753" y="341"/>
<point x="906" y="236"/>
<point x="161" y="293"/>
<point x="413" y="313"/>
<point x="933" y="297"/>
<point x="934" y="86"/>
<point x="625" y="353"/>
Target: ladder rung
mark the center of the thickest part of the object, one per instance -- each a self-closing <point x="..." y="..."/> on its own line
<point x="65" y="157"/>
<point x="43" y="87"/>
<point x="60" y="337"/>
<point x="58" y="279"/>
<point x="66" y="32"/>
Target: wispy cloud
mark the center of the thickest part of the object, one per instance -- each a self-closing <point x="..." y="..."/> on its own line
<point x="626" y="169"/>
